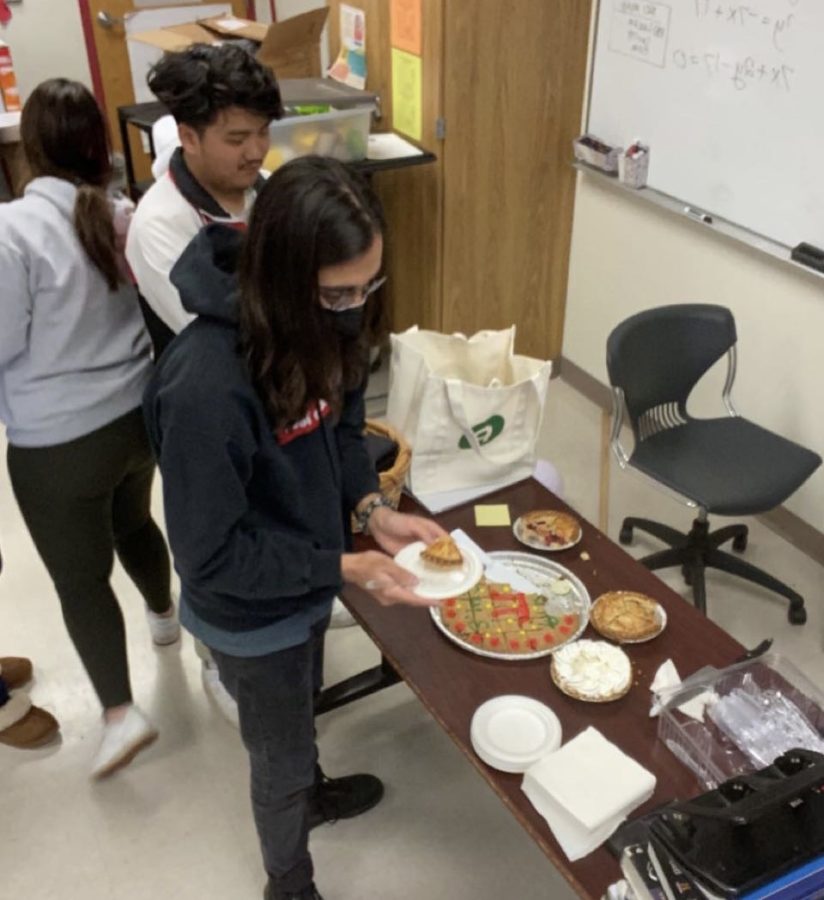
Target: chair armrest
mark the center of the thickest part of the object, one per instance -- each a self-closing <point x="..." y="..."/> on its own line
<point x="726" y="395"/>
<point x="617" y="421"/>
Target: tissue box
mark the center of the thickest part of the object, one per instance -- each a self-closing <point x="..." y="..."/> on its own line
<point x="633" y="171"/>
<point x="711" y="753"/>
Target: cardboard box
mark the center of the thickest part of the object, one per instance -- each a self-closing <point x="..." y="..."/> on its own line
<point x="290" y="48"/>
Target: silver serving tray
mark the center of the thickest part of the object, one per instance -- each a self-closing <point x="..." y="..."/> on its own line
<point x="542" y="572"/>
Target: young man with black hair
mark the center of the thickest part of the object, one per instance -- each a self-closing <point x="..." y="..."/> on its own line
<point x="223" y="101"/>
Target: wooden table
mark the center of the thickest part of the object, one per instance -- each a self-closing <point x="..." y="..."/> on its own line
<point x="452" y="683"/>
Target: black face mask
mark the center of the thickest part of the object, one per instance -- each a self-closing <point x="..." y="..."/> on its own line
<point x="347" y="323"/>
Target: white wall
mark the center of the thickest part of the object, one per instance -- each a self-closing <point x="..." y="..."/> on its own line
<point x="46" y="40"/>
<point x="262" y="13"/>
<point x="627" y="256"/>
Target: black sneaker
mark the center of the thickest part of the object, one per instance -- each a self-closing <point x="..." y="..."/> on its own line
<point x="342" y="798"/>
<point x="272" y="893"/>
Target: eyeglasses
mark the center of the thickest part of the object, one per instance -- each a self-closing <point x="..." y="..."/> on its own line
<point x="340" y="298"/>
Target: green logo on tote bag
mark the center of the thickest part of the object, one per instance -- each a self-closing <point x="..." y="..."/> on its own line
<point x="486" y="432"/>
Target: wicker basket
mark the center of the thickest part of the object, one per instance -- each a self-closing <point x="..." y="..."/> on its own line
<point x="392" y="480"/>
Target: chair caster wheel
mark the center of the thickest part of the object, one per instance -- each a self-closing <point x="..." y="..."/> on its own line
<point x="625" y="535"/>
<point x="797" y="615"/>
<point x="686" y="572"/>
<point x="739" y="543"/>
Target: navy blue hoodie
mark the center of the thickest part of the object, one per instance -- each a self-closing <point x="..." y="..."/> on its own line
<point x="257" y="521"/>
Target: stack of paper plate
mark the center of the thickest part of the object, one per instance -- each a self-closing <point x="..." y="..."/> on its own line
<point x="511" y="732"/>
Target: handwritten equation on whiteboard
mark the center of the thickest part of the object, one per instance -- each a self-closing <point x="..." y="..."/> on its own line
<point x="640" y="30"/>
<point x="648" y="32"/>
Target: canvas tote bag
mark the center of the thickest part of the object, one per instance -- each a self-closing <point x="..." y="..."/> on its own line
<point x="470" y="407"/>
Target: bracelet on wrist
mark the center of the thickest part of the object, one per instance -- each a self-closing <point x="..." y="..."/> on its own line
<point x="366" y="513"/>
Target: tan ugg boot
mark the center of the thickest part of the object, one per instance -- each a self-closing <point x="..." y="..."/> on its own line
<point x="15" y="671"/>
<point x="26" y="726"/>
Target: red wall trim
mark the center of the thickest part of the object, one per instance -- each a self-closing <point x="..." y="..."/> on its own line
<point x="273" y="10"/>
<point x="91" y="52"/>
<point x="250" y="10"/>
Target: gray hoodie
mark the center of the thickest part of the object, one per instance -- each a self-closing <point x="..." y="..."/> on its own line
<point x="74" y="355"/>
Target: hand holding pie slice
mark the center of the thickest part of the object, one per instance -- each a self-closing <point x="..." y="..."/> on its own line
<point x="443" y="553"/>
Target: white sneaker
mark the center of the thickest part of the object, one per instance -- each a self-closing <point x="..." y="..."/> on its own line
<point x="215" y="689"/>
<point x="164" y="629"/>
<point x="341" y="617"/>
<point x="122" y="741"/>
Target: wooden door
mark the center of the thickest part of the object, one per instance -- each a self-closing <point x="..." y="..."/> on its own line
<point x="112" y="72"/>
<point x="513" y="93"/>
<point x="411" y="197"/>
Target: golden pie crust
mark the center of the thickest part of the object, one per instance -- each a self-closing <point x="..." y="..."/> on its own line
<point x="551" y="527"/>
<point x="625" y="616"/>
<point x="443" y="553"/>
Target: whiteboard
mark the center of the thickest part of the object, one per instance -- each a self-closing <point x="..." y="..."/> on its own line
<point x="730" y="98"/>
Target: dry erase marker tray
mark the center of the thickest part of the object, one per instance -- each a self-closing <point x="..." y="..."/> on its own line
<point x="737" y="720"/>
<point x="593" y="151"/>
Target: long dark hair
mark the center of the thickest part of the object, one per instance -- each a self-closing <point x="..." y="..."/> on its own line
<point x="313" y="212"/>
<point x="64" y="135"/>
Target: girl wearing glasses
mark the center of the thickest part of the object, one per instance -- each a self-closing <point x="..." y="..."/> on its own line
<point x="256" y="413"/>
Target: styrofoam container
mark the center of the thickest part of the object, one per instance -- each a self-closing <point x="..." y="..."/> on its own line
<point x="340" y="133"/>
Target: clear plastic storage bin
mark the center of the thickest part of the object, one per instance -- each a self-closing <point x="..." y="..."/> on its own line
<point x="755" y="711"/>
<point x="340" y="133"/>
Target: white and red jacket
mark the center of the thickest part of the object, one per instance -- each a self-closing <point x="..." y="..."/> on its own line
<point x="171" y="213"/>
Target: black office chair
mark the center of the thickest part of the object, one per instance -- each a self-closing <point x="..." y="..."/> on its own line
<point x="728" y="465"/>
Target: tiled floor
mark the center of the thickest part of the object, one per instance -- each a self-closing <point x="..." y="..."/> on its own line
<point x="176" y="824"/>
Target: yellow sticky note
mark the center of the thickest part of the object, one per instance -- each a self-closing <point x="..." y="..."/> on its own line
<point x="407" y="92"/>
<point x="492" y="515"/>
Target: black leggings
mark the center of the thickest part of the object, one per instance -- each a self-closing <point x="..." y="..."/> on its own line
<point x="82" y="501"/>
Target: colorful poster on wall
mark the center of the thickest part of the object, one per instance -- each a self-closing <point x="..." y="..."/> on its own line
<point x="350" y="66"/>
<point x="407" y="115"/>
<point x="405" y="28"/>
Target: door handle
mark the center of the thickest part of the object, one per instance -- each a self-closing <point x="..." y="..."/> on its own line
<point x="107" y="20"/>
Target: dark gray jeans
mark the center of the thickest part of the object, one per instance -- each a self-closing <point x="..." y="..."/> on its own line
<point x="275" y="695"/>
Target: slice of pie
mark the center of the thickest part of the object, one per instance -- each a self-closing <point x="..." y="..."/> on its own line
<point x="443" y="553"/>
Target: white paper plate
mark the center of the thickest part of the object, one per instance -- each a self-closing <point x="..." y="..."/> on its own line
<point x="529" y="540"/>
<point x="439" y="584"/>
<point x="512" y="732"/>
